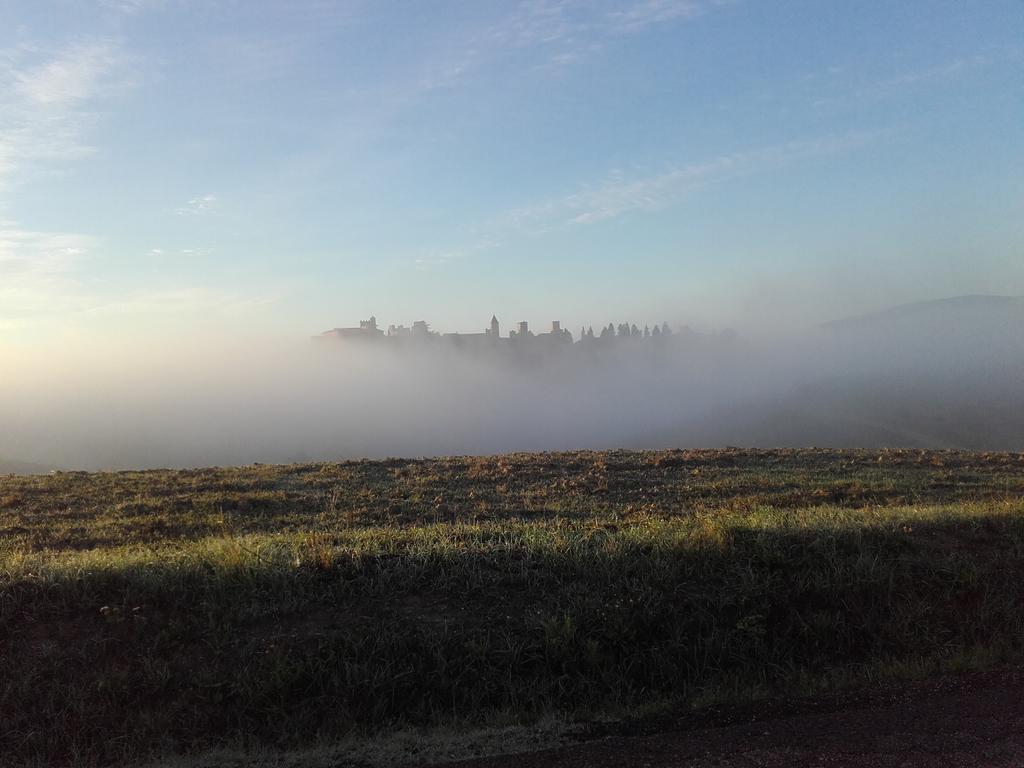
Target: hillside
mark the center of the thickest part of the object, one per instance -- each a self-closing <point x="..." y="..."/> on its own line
<point x="986" y="313"/>
<point x="955" y="334"/>
<point x="935" y="374"/>
<point x="13" y="467"/>
<point x="282" y="608"/>
<point x="890" y="411"/>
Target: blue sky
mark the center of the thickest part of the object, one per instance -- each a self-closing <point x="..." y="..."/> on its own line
<point x="172" y="167"/>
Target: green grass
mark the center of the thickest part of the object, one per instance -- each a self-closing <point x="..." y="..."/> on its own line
<point x="164" y="612"/>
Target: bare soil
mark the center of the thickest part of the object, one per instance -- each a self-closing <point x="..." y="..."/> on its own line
<point x="969" y="720"/>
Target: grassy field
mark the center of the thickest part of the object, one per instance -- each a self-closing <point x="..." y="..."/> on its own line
<point x="282" y="607"/>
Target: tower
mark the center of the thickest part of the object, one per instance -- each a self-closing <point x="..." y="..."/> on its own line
<point x="495" y="330"/>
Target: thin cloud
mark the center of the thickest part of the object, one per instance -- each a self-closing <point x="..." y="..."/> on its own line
<point x="41" y="281"/>
<point x="899" y="83"/>
<point x="36" y="272"/>
<point x="560" y="33"/>
<point x="132" y="7"/>
<point x="435" y="261"/>
<point x="640" y="16"/>
<point x="618" y="194"/>
<point x="551" y="34"/>
<point x="25" y="251"/>
<point x="73" y="76"/>
<point x="159" y="253"/>
<point x="47" y="102"/>
<point x="575" y="22"/>
<point x="189" y="300"/>
<point x="47" y="97"/>
<point x="198" y="206"/>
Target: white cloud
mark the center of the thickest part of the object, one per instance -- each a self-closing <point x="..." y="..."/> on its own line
<point x="619" y="194"/>
<point x="132" y="7"/>
<point x="36" y="271"/>
<point x="436" y="260"/>
<point x="46" y="100"/>
<point x="834" y="92"/>
<point x="47" y="103"/>
<point x="39" y="253"/>
<point x="581" y="23"/>
<point x="198" y="206"/>
<point x="41" y="282"/>
<point x="190" y="300"/>
<point x="638" y="16"/>
<point x="559" y="33"/>
<point x="73" y="76"/>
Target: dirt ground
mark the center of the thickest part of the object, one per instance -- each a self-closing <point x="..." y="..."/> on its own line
<point x="970" y="720"/>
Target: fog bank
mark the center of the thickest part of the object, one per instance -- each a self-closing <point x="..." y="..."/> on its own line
<point x="939" y="376"/>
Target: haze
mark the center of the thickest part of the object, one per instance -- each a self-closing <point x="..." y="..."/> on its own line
<point x="939" y="374"/>
<point x="190" y="191"/>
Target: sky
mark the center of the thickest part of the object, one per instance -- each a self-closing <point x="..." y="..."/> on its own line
<point x="175" y="168"/>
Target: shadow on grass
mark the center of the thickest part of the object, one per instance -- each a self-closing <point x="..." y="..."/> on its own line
<point x="106" y="657"/>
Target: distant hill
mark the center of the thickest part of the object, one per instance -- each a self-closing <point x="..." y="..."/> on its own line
<point x="940" y="312"/>
<point x="959" y="331"/>
<point x="935" y="374"/>
<point x="869" y="413"/>
<point x="13" y="467"/>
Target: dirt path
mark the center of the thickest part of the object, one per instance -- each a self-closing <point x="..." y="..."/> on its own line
<point x="974" y="720"/>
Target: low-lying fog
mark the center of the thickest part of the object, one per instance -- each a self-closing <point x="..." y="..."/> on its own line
<point x="943" y="374"/>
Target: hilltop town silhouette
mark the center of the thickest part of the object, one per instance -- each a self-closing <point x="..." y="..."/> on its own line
<point x="420" y="331"/>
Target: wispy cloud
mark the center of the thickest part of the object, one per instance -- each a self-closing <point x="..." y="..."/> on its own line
<point x="943" y="71"/>
<point x="132" y="7"/>
<point x="36" y="272"/>
<point x="191" y="299"/>
<point x="25" y="252"/>
<point x="641" y="15"/>
<point x="619" y="194"/>
<point x="556" y="33"/>
<point x="198" y="206"/>
<point x="42" y="281"/>
<point x="540" y="35"/>
<point x="899" y="83"/>
<point x="576" y="26"/>
<point x="162" y="253"/>
<point x="47" y="102"/>
<point x="74" y="75"/>
<point x="436" y="260"/>
<point x="279" y="38"/>
<point x="49" y="97"/>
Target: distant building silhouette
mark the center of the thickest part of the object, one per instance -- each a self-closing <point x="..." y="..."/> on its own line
<point x="367" y="329"/>
<point x="557" y="333"/>
<point x="490" y="338"/>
